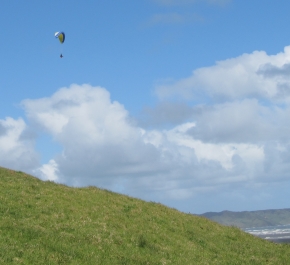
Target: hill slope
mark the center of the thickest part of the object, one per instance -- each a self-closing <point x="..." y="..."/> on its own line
<point x="47" y="223"/>
<point x="251" y="218"/>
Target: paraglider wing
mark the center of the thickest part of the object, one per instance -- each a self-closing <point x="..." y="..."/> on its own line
<point x="60" y="36"/>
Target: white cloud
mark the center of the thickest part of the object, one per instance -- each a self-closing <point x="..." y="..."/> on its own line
<point x="98" y="140"/>
<point x="223" y="153"/>
<point x="249" y="75"/>
<point x="17" y="145"/>
<point x="244" y="106"/>
<point x="48" y="171"/>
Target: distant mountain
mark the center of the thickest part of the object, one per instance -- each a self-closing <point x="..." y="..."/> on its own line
<point x="250" y="218"/>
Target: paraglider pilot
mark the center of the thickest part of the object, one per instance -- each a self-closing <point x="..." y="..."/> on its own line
<point x="61" y="37"/>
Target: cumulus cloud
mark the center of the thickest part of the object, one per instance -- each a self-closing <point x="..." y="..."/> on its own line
<point x="255" y="75"/>
<point x="102" y="147"/>
<point x="239" y="130"/>
<point x="17" y="145"/>
<point x="48" y="171"/>
<point x="99" y="143"/>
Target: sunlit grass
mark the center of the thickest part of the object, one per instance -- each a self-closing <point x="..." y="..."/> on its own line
<point x="47" y="223"/>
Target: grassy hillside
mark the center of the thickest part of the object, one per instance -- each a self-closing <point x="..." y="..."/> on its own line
<point x="46" y="223"/>
<point x="251" y="218"/>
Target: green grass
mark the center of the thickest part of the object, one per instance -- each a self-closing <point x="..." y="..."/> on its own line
<point x="47" y="223"/>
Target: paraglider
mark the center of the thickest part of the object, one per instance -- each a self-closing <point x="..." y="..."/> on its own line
<point x="61" y="38"/>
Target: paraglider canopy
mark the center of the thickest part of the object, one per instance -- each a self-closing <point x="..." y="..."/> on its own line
<point x="60" y="36"/>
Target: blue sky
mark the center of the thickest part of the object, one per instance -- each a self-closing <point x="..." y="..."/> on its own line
<point x="181" y="102"/>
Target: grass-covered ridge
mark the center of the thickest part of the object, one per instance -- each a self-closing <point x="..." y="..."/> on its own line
<point x="47" y="223"/>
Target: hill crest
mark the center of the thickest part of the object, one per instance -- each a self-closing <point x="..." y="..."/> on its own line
<point x="42" y="222"/>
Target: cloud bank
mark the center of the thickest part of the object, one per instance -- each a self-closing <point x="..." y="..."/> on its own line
<point x="102" y="147"/>
<point x="233" y="142"/>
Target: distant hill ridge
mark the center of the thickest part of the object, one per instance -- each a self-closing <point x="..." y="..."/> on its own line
<point x="42" y="222"/>
<point x="248" y="219"/>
